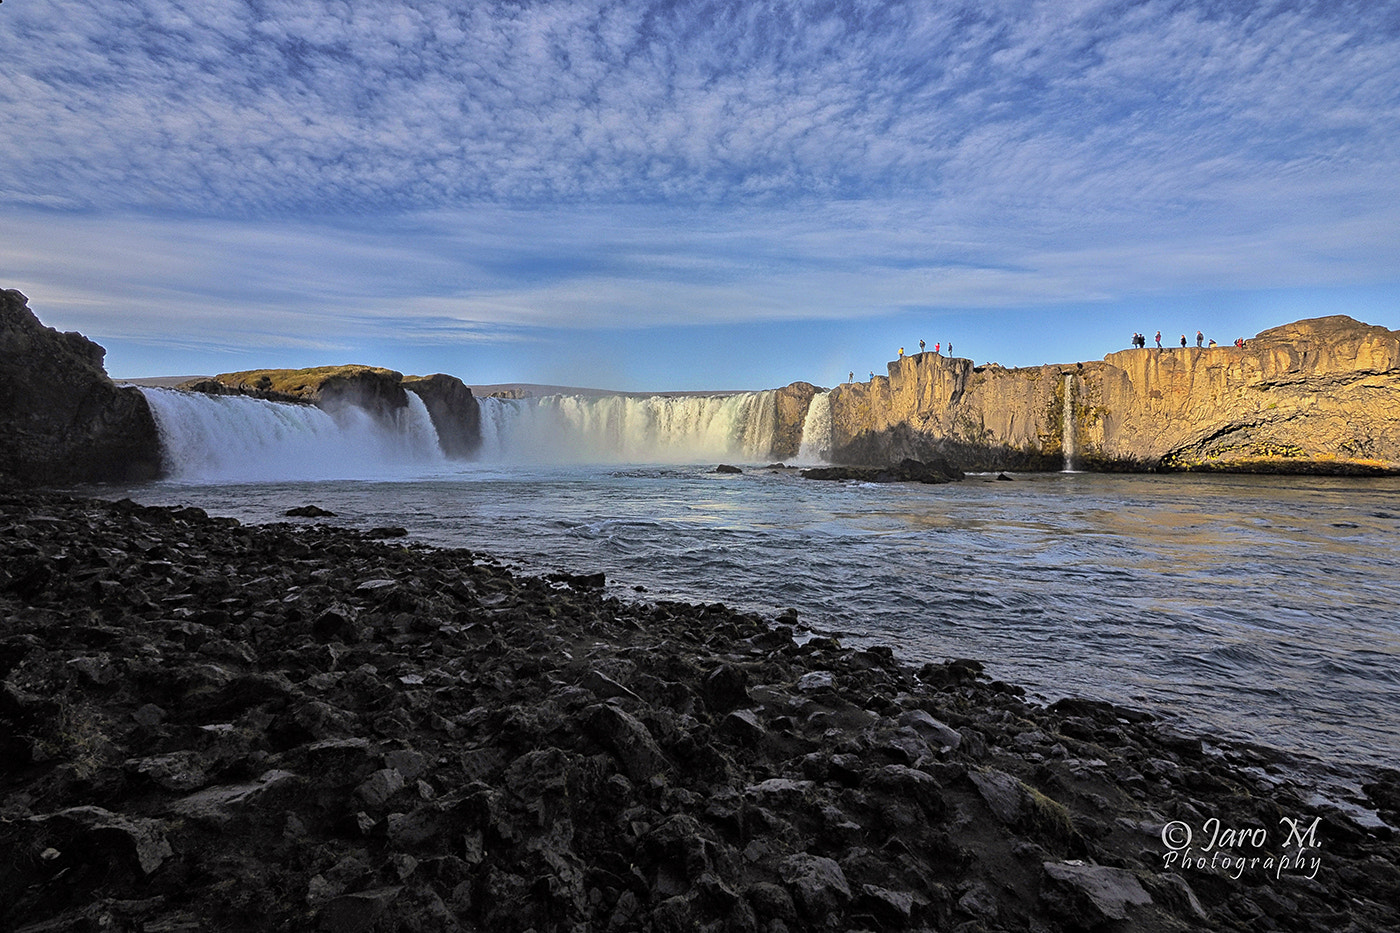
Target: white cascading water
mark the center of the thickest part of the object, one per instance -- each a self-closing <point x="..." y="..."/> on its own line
<point x="1068" y="430"/>
<point x="232" y="438"/>
<point x="629" y="429"/>
<point x="816" y="431"/>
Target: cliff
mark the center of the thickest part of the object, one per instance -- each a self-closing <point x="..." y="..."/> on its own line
<point x="1315" y="396"/>
<point x="62" y="419"/>
<point x="332" y="388"/>
<point x="454" y="411"/>
<point x="792" y="402"/>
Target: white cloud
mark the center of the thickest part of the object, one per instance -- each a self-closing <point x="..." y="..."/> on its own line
<point x="294" y="169"/>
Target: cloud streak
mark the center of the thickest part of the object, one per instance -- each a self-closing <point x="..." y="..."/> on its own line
<point x="499" y="167"/>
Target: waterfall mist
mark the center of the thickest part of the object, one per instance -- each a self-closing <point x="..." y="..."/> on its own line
<point x="627" y="429"/>
<point x="233" y="438"/>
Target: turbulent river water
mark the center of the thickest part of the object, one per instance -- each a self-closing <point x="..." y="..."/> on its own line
<point x="1261" y="608"/>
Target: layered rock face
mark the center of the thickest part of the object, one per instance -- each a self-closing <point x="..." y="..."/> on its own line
<point x="454" y="411"/>
<point x="931" y="407"/>
<point x="1316" y="396"/>
<point x="1320" y="395"/>
<point x="62" y="419"/>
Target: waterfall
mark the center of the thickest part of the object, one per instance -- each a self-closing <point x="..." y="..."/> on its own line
<point x="629" y="429"/>
<point x="816" y="431"/>
<point x="1067" y="433"/>
<point x="233" y="438"/>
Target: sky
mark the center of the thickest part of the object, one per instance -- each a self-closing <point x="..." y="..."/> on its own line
<point x="691" y="195"/>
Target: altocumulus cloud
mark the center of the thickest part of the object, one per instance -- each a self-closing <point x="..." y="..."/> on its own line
<point x="595" y="163"/>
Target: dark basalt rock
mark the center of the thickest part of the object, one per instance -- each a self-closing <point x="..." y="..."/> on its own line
<point x="63" y="421"/>
<point x="340" y="733"/>
<point x="906" y="471"/>
<point x="454" y="410"/>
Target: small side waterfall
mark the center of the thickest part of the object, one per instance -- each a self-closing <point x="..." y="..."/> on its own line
<point x="1067" y="434"/>
<point x="816" y="431"/>
<point x="233" y="438"/>
<point x="629" y="429"/>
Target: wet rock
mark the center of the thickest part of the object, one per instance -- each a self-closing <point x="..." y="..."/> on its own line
<point x="309" y="511"/>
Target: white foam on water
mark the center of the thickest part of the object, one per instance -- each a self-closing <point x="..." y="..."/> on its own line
<point x="233" y="438"/>
<point x="629" y="429"/>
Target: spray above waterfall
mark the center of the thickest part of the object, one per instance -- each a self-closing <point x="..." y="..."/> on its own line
<point x="239" y="438"/>
<point x="231" y="438"/>
<point x="629" y="429"/>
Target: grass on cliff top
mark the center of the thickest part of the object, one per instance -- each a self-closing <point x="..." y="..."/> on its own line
<point x="301" y="381"/>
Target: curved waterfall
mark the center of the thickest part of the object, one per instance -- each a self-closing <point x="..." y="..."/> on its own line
<point x="629" y="429"/>
<point x="233" y="438"/>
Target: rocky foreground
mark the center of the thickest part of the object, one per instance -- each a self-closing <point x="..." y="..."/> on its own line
<point x="209" y="726"/>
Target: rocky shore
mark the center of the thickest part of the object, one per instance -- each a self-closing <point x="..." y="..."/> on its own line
<point x="211" y="726"/>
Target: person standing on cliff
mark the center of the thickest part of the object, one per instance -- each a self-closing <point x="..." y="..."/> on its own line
<point x="921" y="346"/>
<point x="950" y="349"/>
<point x="1159" y="340"/>
<point x="1199" y="337"/>
<point x="851" y="376"/>
<point x="901" y="353"/>
<point x="935" y="348"/>
<point x="1183" y="341"/>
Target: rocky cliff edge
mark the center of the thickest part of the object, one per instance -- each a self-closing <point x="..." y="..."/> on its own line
<point x="63" y="420"/>
<point x="1315" y="396"/>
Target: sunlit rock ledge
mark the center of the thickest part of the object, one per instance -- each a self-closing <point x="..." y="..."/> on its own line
<point x="1315" y="396"/>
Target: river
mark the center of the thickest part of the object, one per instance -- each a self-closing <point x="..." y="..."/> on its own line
<point x="1258" y="608"/>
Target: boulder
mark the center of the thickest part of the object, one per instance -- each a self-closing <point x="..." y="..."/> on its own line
<point x="64" y="421"/>
<point x="1093" y="893"/>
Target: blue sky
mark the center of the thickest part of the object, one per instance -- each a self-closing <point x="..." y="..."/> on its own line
<point x="691" y="195"/>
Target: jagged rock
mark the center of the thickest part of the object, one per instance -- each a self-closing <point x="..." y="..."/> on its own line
<point x="627" y="739"/>
<point x="1092" y="893"/>
<point x="938" y="733"/>
<point x="89" y="829"/>
<point x="64" y="421"/>
<point x="376" y="789"/>
<point x="224" y="803"/>
<point x="817" y="883"/>
<point x="1007" y="798"/>
<point x="726" y="688"/>
<point x="462" y="763"/>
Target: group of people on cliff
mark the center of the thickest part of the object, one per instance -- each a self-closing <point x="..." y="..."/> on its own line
<point x="1140" y="340"/>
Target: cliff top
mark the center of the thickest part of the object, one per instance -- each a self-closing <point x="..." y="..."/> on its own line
<point x="1332" y="327"/>
<point x="302" y="382"/>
